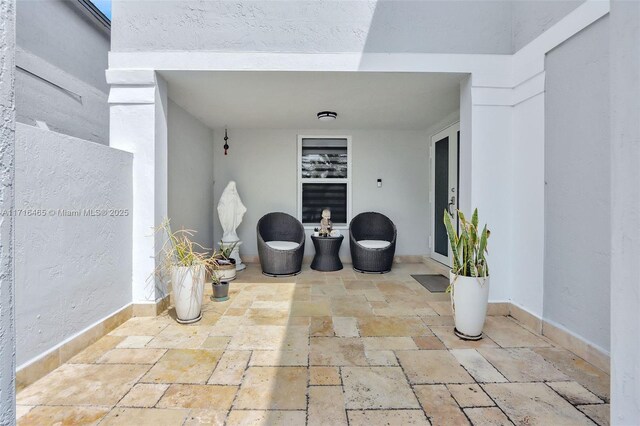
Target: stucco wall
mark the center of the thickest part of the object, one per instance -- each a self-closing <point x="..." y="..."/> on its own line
<point x="264" y="162"/>
<point x="313" y="26"/>
<point x="71" y="271"/>
<point x="61" y="63"/>
<point x="7" y="149"/>
<point x="625" y="203"/>
<point x="577" y="175"/>
<point x="530" y="18"/>
<point x="190" y="175"/>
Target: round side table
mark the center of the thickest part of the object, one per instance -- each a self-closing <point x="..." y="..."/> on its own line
<point x="327" y="249"/>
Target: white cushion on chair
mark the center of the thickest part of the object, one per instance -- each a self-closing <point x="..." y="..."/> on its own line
<point x="374" y="244"/>
<point x="283" y="245"/>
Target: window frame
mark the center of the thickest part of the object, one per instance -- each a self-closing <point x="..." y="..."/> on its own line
<point x="346" y="180"/>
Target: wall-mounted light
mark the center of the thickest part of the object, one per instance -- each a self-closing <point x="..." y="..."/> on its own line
<point x="327" y="115"/>
<point x="226" y="145"/>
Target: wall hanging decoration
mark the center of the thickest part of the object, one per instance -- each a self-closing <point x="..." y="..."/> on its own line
<point x="226" y="145"/>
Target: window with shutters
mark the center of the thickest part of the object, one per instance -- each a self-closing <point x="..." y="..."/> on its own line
<point x="324" y="176"/>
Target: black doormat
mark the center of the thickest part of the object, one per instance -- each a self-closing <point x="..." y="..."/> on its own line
<point x="433" y="283"/>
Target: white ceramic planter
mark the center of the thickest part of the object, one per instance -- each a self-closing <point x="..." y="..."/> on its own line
<point x="469" y="300"/>
<point x="226" y="272"/>
<point x="188" y="291"/>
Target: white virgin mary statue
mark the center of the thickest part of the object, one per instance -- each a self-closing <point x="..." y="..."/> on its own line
<point x="230" y="212"/>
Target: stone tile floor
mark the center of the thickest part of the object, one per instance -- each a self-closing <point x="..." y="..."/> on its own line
<point x="320" y="348"/>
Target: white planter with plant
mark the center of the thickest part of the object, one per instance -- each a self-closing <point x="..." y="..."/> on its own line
<point x="187" y="269"/>
<point x="469" y="277"/>
<point x="226" y="270"/>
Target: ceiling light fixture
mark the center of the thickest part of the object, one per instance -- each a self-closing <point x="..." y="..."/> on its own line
<point x="327" y="115"/>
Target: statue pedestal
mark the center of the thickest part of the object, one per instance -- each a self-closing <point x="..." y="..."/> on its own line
<point x="235" y="254"/>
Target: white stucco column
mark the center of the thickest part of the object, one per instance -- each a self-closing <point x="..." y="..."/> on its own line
<point x="625" y="212"/>
<point x="138" y="112"/>
<point x="7" y="143"/>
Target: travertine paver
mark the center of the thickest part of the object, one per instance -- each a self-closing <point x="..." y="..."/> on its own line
<point x="264" y="418"/>
<point x="326" y="406"/>
<point x="143" y="395"/>
<point x="377" y="387"/>
<point x="45" y="415"/>
<point x="477" y="366"/>
<point x="83" y="384"/>
<point x="599" y="413"/>
<point x="439" y="405"/>
<point x="392" y="326"/>
<point x="535" y="404"/>
<point x="574" y="393"/>
<point x="230" y="368"/>
<point x="470" y="395"/>
<point x="319" y="348"/>
<point x="198" y="396"/>
<point x="487" y="416"/>
<point x="388" y="417"/>
<point x="507" y="333"/>
<point x="594" y="379"/>
<point x="183" y="366"/>
<point x="432" y="367"/>
<point x="337" y="351"/>
<point x="324" y="376"/>
<point x="273" y="388"/>
<point x="145" y="416"/>
<point x="522" y="365"/>
<point x="345" y="326"/>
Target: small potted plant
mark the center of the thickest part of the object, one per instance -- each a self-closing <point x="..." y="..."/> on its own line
<point x="469" y="276"/>
<point x="226" y="265"/>
<point x="220" y="288"/>
<point x="186" y="267"/>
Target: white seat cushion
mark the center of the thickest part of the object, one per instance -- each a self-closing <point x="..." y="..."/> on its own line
<point x="374" y="244"/>
<point x="283" y="245"/>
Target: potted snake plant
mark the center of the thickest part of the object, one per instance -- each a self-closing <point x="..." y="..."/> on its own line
<point x="181" y="260"/>
<point x="226" y="270"/>
<point x="469" y="276"/>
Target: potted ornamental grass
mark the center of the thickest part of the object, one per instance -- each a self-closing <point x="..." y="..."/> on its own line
<point x="226" y="265"/>
<point x="469" y="276"/>
<point x="186" y="266"/>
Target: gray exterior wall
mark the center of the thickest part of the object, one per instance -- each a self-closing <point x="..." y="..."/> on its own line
<point x="72" y="271"/>
<point x="7" y="147"/>
<point x="625" y="202"/>
<point x="264" y="165"/>
<point x="530" y="18"/>
<point x="439" y="26"/>
<point x="190" y="175"/>
<point x="313" y="26"/>
<point x="577" y="176"/>
<point x="62" y="57"/>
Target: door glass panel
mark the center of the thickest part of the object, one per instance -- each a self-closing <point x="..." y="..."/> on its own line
<point x="441" y="196"/>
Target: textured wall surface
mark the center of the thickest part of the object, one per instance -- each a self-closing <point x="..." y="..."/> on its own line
<point x="61" y="63"/>
<point x="264" y="164"/>
<point x="71" y="271"/>
<point x="533" y="17"/>
<point x="59" y="33"/>
<point x="434" y="26"/>
<point x="625" y="203"/>
<point x="190" y="175"/>
<point x="7" y="146"/>
<point x="577" y="195"/>
<point x="313" y="26"/>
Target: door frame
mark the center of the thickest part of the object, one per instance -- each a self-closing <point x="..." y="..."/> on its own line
<point x="454" y="174"/>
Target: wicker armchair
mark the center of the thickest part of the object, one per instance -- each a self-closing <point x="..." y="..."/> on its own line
<point x="281" y="240"/>
<point x="373" y="242"/>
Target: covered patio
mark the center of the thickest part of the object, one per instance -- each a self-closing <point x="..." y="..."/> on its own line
<point x="321" y="348"/>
